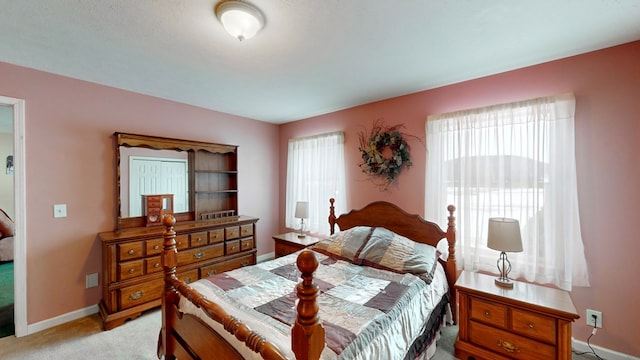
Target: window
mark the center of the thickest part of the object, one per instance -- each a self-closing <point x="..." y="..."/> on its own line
<point x="315" y="173"/>
<point x="514" y="160"/>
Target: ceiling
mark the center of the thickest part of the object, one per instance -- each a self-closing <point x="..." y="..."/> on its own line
<point x="313" y="56"/>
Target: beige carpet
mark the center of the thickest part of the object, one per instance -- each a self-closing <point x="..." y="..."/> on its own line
<point x="137" y="339"/>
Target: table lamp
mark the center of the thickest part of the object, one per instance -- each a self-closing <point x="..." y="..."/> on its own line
<point x="504" y="236"/>
<point x="302" y="212"/>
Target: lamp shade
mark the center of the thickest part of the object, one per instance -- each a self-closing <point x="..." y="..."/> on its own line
<point x="504" y="235"/>
<point x="242" y="20"/>
<point x="302" y="210"/>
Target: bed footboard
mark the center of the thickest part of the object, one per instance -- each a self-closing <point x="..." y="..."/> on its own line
<point x="185" y="336"/>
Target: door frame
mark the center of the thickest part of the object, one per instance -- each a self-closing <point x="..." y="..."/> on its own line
<point x="20" y="216"/>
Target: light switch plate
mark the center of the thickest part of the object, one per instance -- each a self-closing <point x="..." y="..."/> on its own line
<point x="59" y="210"/>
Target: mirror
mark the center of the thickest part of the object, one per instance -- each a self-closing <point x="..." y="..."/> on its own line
<point x="148" y="165"/>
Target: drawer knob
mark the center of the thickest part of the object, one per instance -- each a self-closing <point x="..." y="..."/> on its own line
<point x="233" y="247"/>
<point x="132" y="270"/>
<point x="131" y="252"/>
<point x="508" y="347"/>
<point x="531" y="326"/>
<point x="198" y="255"/>
<point x="212" y="272"/>
<point x="156" y="247"/>
<point x="136" y="295"/>
<point x="187" y="280"/>
<point x="245" y="263"/>
<point x="156" y="265"/>
<point x="487" y="313"/>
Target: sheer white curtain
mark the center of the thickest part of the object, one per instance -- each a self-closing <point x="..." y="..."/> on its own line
<point x="315" y="173"/>
<point x="513" y="160"/>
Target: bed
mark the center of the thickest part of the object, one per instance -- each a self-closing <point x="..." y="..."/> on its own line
<point x="342" y="299"/>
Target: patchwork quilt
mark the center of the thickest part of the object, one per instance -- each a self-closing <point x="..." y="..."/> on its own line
<point x="366" y="312"/>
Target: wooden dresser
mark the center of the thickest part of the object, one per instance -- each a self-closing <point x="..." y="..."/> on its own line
<point x="526" y="322"/>
<point x="132" y="277"/>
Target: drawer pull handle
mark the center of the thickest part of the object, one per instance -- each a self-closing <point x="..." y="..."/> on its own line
<point x="136" y="295"/>
<point x="131" y="252"/>
<point x="156" y="247"/>
<point x="132" y="270"/>
<point x="245" y="263"/>
<point x="508" y="347"/>
<point x="187" y="280"/>
<point x="198" y="255"/>
<point x="212" y="272"/>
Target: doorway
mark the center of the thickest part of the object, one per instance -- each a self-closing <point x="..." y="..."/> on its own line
<point x="16" y="200"/>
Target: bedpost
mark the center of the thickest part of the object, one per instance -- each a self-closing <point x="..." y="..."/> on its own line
<point x="169" y="263"/>
<point x="452" y="271"/>
<point x="307" y="334"/>
<point x="332" y="216"/>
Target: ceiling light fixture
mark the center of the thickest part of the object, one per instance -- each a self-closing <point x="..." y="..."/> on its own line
<point x="242" y="20"/>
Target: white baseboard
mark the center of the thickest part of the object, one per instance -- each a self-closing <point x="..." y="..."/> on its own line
<point x="59" y="320"/>
<point x="266" y="257"/>
<point x="581" y="346"/>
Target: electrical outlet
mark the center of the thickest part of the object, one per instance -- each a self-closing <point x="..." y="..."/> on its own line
<point x="594" y="318"/>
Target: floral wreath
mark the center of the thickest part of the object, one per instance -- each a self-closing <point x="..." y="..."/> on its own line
<point x="385" y="153"/>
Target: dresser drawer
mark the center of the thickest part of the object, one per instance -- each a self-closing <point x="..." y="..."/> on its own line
<point x="153" y="264"/>
<point x="216" y="236"/>
<point x="246" y="244"/>
<point x="200" y="254"/>
<point x="182" y="242"/>
<point x="228" y="265"/>
<point x="534" y="325"/>
<point x="130" y="269"/>
<point x="507" y="344"/>
<point x="154" y="246"/>
<point x="188" y="276"/>
<point x="141" y="293"/>
<point x="129" y="251"/>
<point x="246" y="230"/>
<point x="232" y="247"/>
<point x="198" y="239"/>
<point x="232" y="232"/>
<point x="487" y="312"/>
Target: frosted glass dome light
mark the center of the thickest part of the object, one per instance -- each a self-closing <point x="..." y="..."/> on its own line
<point x="242" y="20"/>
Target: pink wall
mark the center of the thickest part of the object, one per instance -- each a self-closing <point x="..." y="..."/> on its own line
<point x="606" y="84"/>
<point x="70" y="159"/>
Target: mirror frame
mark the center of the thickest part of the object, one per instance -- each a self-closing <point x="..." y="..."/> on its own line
<point x="159" y="143"/>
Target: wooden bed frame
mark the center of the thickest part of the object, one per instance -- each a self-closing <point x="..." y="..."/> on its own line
<point x="185" y="336"/>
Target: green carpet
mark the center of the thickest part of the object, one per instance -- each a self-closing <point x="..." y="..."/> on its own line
<point x="6" y="299"/>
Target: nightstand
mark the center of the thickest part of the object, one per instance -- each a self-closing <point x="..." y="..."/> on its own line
<point x="526" y="322"/>
<point x="290" y="242"/>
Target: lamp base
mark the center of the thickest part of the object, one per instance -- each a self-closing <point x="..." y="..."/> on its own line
<point x="504" y="283"/>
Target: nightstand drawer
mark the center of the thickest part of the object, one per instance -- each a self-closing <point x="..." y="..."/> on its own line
<point x="507" y="344"/>
<point x="487" y="312"/>
<point x="533" y="325"/>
